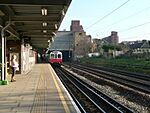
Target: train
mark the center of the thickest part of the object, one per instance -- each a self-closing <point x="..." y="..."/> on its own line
<point x="55" y="58"/>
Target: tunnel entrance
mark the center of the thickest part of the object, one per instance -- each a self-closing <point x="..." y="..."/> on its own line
<point x="67" y="56"/>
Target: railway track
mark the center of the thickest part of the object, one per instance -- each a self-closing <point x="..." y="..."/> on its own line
<point x="122" y="72"/>
<point x="88" y="98"/>
<point x="134" y="81"/>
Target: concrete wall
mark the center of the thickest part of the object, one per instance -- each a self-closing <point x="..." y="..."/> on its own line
<point x="27" y="58"/>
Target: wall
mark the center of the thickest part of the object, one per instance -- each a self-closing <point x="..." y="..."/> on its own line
<point x="27" y="58"/>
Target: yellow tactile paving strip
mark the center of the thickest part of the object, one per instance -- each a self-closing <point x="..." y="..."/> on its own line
<point x="49" y="96"/>
<point x="39" y="105"/>
<point x="37" y="92"/>
<point x="61" y="96"/>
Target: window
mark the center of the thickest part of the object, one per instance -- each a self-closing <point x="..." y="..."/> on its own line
<point x="52" y="55"/>
<point x="59" y="55"/>
<point x="80" y="34"/>
<point x="55" y="55"/>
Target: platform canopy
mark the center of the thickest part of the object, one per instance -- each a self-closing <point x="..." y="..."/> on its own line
<point x="37" y="21"/>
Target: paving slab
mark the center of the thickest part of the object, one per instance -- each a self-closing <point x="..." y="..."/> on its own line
<point x="38" y="91"/>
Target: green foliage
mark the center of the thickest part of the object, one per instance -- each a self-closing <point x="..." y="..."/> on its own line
<point x="111" y="47"/>
<point x="129" y="64"/>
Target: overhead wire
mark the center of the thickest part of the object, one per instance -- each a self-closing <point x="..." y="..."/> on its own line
<point x="108" y="14"/>
<point x="139" y="35"/>
<point x="130" y="16"/>
<point x="133" y="27"/>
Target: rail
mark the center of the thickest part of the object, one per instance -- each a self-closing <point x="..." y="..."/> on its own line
<point x="140" y="83"/>
<point x="90" y="98"/>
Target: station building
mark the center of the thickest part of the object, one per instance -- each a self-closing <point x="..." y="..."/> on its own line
<point x="74" y="43"/>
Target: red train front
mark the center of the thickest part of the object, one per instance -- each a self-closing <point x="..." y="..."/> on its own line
<point x="56" y="58"/>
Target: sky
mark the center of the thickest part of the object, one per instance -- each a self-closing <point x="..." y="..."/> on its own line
<point x="130" y="18"/>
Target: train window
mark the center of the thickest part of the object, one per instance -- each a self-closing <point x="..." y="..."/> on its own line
<point x="59" y="55"/>
<point x="55" y="55"/>
<point x="52" y="55"/>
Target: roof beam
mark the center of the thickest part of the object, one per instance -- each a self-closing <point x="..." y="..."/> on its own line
<point x="38" y="33"/>
<point x="50" y="8"/>
<point x="1" y="22"/>
<point x="6" y="12"/>
<point x="12" y="32"/>
<point x="39" y="36"/>
<point x="37" y="28"/>
<point x="39" y="42"/>
<point x="34" y="18"/>
<point x="34" y="21"/>
<point x="10" y="10"/>
<point x="35" y="2"/>
<point x="39" y="39"/>
<point x="39" y="45"/>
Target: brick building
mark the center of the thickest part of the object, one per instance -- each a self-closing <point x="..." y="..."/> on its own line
<point x="112" y="39"/>
<point x="75" y="26"/>
<point x="81" y="40"/>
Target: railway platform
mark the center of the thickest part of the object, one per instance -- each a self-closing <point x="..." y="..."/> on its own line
<point x="39" y="91"/>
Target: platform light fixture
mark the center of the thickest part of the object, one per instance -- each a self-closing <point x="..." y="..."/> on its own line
<point x="62" y="12"/>
<point x="44" y="11"/>
<point x="44" y="31"/>
<point x="53" y="33"/>
<point x="52" y="39"/>
<point x="44" y="24"/>
<point x="56" y="26"/>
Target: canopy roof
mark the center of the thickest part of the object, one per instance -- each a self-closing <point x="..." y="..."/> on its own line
<point x="34" y="20"/>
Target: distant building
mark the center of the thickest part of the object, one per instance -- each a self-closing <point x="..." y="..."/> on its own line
<point x="81" y="44"/>
<point x="140" y="47"/>
<point x="131" y="42"/>
<point x="75" y="26"/>
<point x="63" y="41"/>
<point x="75" y="42"/>
<point x="88" y="38"/>
<point x="81" y="40"/>
<point x="112" y="39"/>
<point x="96" y="44"/>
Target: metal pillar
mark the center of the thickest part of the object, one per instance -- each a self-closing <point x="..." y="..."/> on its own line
<point x="1" y="70"/>
<point x="3" y="53"/>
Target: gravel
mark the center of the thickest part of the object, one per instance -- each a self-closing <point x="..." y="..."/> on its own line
<point x="139" y="103"/>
